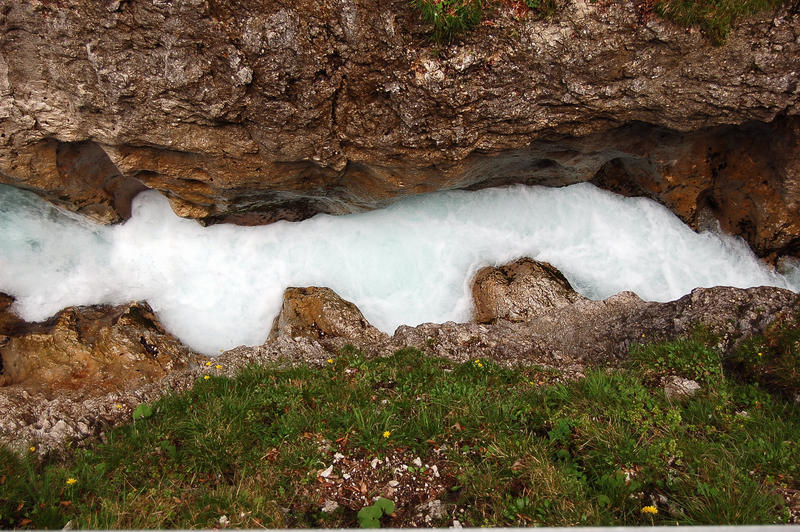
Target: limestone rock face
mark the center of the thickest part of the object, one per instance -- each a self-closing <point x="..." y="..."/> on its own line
<point x="320" y="314"/>
<point x="91" y="349"/>
<point x="519" y="291"/>
<point x="255" y="111"/>
<point x="601" y="332"/>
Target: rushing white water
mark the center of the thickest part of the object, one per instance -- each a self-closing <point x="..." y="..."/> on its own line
<point x="219" y="287"/>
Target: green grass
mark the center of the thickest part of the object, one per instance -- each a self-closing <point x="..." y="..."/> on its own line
<point x="449" y="17"/>
<point x="714" y="17"/>
<point x="513" y="446"/>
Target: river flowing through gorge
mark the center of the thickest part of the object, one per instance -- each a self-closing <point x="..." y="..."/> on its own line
<point x="219" y="287"/>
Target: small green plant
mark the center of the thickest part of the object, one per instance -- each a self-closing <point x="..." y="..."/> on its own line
<point x="142" y="411"/>
<point x="369" y="516"/>
<point x="449" y="17"/>
<point x="694" y="358"/>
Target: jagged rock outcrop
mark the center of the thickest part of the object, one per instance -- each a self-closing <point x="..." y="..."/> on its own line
<point x="88" y="350"/>
<point x="255" y="111"/>
<point x="320" y="314"/>
<point x="520" y="290"/>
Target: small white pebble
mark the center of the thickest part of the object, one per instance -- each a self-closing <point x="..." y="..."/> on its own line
<point x="417" y="461"/>
<point x="374" y="463"/>
<point x="394" y="483"/>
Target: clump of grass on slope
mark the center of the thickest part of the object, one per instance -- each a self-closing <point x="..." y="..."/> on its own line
<point x="515" y="446"/>
<point x="714" y="17"/>
<point x="449" y="17"/>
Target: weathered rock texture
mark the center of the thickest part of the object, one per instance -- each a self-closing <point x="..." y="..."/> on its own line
<point x="519" y="291"/>
<point x="88" y="350"/>
<point x="254" y="111"/>
<point x="320" y="314"/>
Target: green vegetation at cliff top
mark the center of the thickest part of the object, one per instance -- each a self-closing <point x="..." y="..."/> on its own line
<point x="498" y="447"/>
<point x="716" y="18"/>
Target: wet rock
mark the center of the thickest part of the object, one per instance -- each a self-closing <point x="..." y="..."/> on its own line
<point x="256" y="111"/>
<point x="519" y="291"/>
<point x="320" y="314"/>
<point x="677" y="388"/>
<point x="90" y="349"/>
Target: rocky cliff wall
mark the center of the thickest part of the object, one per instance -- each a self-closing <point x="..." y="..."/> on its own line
<point x="252" y="111"/>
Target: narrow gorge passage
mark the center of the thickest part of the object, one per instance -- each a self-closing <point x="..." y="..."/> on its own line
<point x="218" y="287"/>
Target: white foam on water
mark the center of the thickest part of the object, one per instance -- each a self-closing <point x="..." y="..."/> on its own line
<point x="221" y="286"/>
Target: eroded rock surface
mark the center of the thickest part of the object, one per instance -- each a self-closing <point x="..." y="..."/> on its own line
<point x="519" y="291"/>
<point x="256" y="111"/>
<point x="320" y="314"/>
<point x="88" y="350"/>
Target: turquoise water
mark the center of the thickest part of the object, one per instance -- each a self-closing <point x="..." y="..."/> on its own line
<point x="218" y="287"/>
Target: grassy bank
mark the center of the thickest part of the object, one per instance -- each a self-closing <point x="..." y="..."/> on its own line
<point x="715" y="18"/>
<point x="495" y="446"/>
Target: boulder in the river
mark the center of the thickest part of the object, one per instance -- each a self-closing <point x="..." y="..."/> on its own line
<point x="520" y="290"/>
<point x="95" y="349"/>
<point x="319" y="313"/>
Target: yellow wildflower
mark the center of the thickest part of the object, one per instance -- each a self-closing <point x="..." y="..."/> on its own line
<point x="208" y="363"/>
<point x="650" y="510"/>
<point x="32" y="449"/>
<point x="117" y="405"/>
<point x="330" y="361"/>
<point x="71" y="481"/>
<point x="386" y="434"/>
<point x="206" y="377"/>
<point x="218" y="366"/>
<point x="760" y="354"/>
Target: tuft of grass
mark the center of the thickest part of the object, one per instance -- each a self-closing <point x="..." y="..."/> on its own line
<point x="693" y="357"/>
<point x="714" y="17"/>
<point x="772" y="359"/>
<point x="449" y="17"/>
<point x="514" y="447"/>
